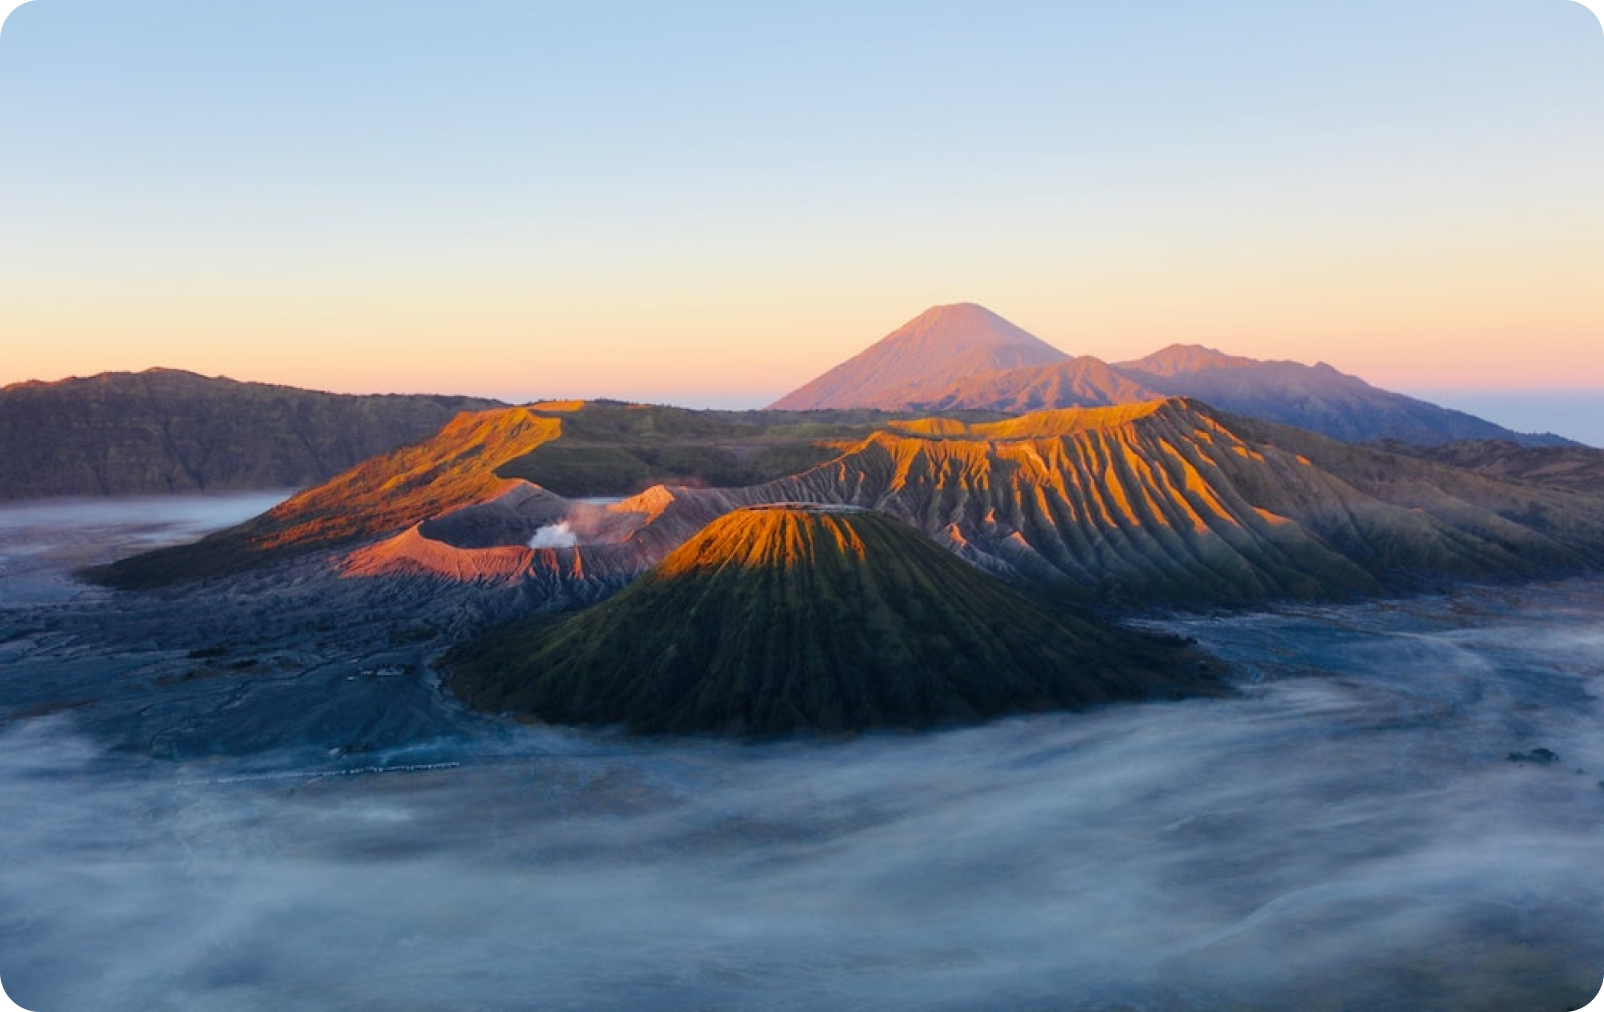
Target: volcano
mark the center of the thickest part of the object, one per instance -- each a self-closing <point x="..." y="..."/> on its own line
<point x="782" y="617"/>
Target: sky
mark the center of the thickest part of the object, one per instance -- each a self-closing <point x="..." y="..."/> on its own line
<point x="710" y="203"/>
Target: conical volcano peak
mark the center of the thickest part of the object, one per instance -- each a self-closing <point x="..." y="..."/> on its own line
<point x="941" y="346"/>
<point x="779" y="618"/>
<point x="773" y="535"/>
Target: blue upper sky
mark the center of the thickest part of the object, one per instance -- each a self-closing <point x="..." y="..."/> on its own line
<point x="715" y="201"/>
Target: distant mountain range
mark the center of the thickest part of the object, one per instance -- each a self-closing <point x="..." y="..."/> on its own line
<point x="164" y="430"/>
<point x="965" y="356"/>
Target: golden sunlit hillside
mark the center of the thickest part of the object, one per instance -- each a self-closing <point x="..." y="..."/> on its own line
<point x="1165" y="501"/>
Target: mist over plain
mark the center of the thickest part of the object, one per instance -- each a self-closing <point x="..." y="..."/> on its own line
<point x="1352" y="833"/>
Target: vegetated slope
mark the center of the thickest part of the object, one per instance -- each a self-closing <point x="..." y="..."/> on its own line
<point x="919" y="361"/>
<point x="610" y="448"/>
<point x="164" y="431"/>
<point x="1577" y="468"/>
<point x="773" y="619"/>
<point x="1317" y="397"/>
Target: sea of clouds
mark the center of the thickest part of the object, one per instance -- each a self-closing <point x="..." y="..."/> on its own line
<point x="1351" y="833"/>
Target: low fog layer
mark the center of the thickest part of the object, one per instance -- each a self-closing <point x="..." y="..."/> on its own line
<point x="1352" y="833"/>
<point x="41" y="541"/>
<point x="1355" y="840"/>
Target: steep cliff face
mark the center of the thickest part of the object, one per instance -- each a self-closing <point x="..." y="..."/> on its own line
<point x="776" y="618"/>
<point x="166" y="431"/>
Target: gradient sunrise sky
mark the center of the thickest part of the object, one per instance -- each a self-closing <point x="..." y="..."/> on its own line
<point x="710" y="203"/>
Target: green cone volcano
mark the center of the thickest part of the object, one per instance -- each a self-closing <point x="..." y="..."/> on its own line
<point x="777" y="618"/>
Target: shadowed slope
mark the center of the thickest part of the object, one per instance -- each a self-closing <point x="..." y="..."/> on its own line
<point x="164" y="430"/>
<point x="1577" y="468"/>
<point x="919" y="361"/>
<point x="777" y="618"/>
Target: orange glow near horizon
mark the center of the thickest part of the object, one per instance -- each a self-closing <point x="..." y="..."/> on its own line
<point x="1510" y="304"/>
<point x="1402" y="300"/>
<point x="1409" y="199"/>
<point x="1539" y="335"/>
